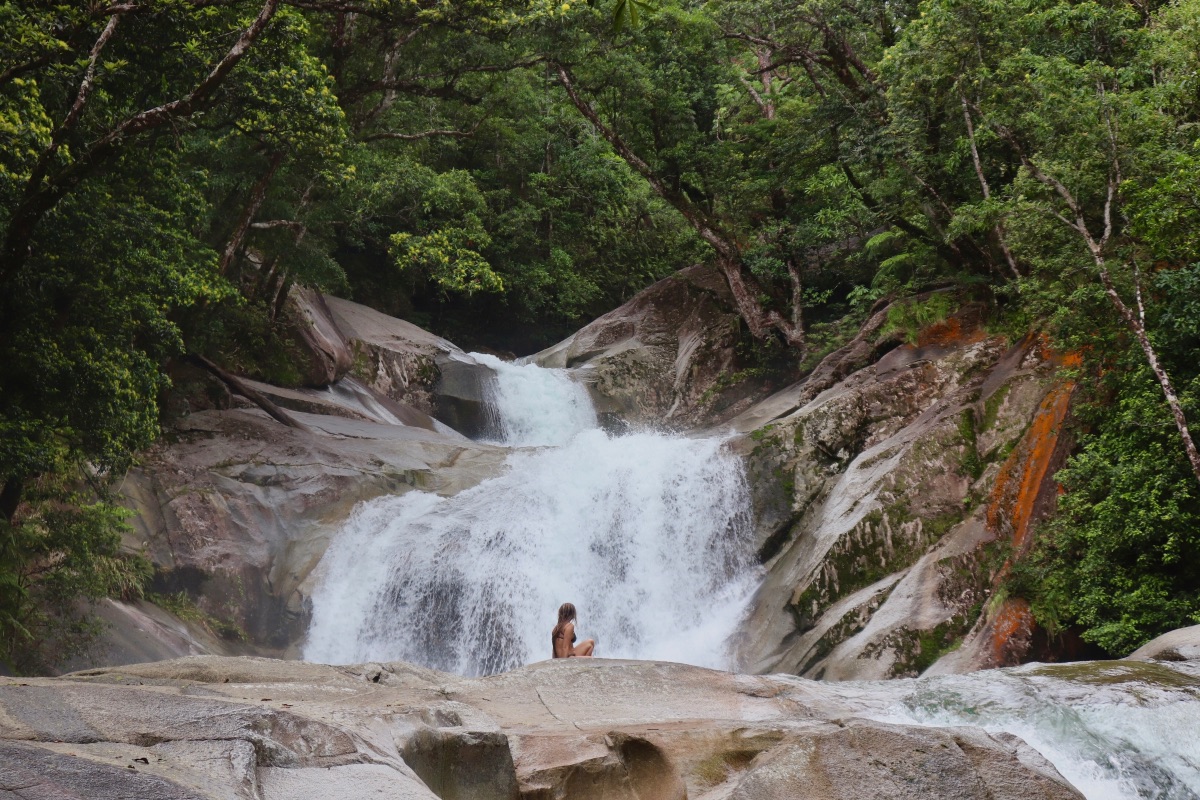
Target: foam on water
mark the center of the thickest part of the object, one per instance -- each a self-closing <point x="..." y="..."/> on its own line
<point x="534" y="406"/>
<point x="647" y="534"/>
<point x="1115" y="730"/>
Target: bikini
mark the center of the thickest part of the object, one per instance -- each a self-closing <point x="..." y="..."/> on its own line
<point x="555" y="638"/>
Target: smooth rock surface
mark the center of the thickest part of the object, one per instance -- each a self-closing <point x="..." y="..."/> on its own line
<point x="139" y="631"/>
<point x="392" y="356"/>
<point x="352" y="399"/>
<point x="1182" y="644"/>
<point x="209" y="727"/>
<point x="323" y="355"/>
<point x="660" y="358"/>
<point x="880" y="496"/>
<point x="236" y="509"/>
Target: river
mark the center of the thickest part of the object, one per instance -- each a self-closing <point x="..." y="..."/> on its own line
<point x="649" y="535"/>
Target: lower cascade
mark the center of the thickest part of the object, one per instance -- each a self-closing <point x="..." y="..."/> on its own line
<point x="1115" y="730"/>
<point x="647" y="534"/>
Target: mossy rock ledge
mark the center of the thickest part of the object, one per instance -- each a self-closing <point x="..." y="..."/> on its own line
<point x="880" y="523"/>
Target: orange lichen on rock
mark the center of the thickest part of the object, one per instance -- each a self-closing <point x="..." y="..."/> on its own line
<point x="1072" y="360"/>
<point x="1011" y="632"/>
<point x="1023" y="491"/>
<point x="1023" y="475"/>
<point x="953" y="331"/>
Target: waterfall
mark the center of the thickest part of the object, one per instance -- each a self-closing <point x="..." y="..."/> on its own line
<point x="1116" y="730"/>
<point x="531" y="406"/>
<point x="647" y="534"/>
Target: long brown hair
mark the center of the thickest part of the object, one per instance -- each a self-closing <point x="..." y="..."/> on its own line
<point x="566" y="613"/>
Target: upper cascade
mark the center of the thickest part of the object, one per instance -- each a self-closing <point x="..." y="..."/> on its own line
<point x="530" y="406"/>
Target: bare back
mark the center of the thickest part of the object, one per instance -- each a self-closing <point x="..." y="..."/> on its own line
<point x="562" y="639"/>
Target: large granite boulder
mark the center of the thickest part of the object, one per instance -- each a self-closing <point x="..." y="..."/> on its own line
<point x="410" y="365"/>
<point x="667" y="356"/>
<point x="235" y="509"/>
<point x="322" y="353"/>
<point x="1182" y="644"/>
<point x="883" y="495"/>
<point x="576" y="729"/>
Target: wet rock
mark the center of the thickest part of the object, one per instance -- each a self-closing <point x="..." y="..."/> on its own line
<point x="666" y="356"/>
<point x="1182" y="644"/>
<point x="415" y="368"/>
<point x="351" y="399"/>
<point x="461" y="395"/>
<point x="392" y="356"/>
<point x="877" y="760"/>
<point x="882" y="560"/>
<point x="210" y="727"/>
<point x="460" y="764"/>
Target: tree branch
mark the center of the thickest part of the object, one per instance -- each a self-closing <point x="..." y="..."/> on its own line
<point x="27" y="66"/>
<point x="81" y="98"/>
<point x="408" y="137"/>
<point x="290" y="224"/>
<point x="38" y="199"/>
<point x="187" y="105"/>
<point x="236" y="385"/>
<point x="998" y="228"/>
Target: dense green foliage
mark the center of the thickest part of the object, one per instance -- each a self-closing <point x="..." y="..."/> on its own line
<point x="1122" y="558"/>
<point x="65" y="552"/>
<point x="501" y="170"/>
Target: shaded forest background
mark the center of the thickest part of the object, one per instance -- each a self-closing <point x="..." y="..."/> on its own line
<point x="501" y="171"/>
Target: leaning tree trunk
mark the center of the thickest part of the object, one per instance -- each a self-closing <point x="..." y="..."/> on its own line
<point x="743" y="286"/>
<point x="1136" y="322"/>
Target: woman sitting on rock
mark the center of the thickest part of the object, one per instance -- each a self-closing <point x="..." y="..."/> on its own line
<point x="563" y="637"/>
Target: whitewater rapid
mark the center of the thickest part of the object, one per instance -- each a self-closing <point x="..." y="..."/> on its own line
<point x="1117" y="730"/>
<point x="649" y="535"/>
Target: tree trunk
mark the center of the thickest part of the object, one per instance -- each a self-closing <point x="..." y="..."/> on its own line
<point x="1137" y="326"/>
<point x="745" y="289"/>
<point x="236" y="385"/>
<point x="10" y="497"/>
<point x="258" y="193"/>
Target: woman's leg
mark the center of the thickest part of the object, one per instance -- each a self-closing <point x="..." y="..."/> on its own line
<point x="584" y="649"/>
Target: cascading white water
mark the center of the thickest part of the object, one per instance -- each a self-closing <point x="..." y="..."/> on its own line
<point x="532" y="406"/>
<point x="647" y="534"/>
<point x="1115" y="730"/>
<point x="1111" y="734"/>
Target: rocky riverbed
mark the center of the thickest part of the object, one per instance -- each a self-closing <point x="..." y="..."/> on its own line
<point x="888" y="482"/>
<point x="258" y="729"/>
